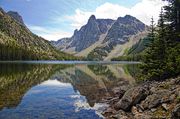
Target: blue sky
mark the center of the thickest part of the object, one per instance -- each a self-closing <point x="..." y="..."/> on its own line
<point x="54" y="19"/>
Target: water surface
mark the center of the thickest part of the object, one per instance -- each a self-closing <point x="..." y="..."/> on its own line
<point x="51" y="90"/>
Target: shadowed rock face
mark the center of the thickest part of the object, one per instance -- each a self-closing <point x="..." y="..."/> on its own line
<point x="123" y="28"/>
<point x="114" y="32"/>
<point x="89" y="33"/>
<point x="119" y="33"/>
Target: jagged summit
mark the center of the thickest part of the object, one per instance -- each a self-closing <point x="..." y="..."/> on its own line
<point x="92" y="17"/>
<point x="129" y="17"/>
<point x="16" y="16"/>
<point x="102" y="35"/>
<point x="126" y="17"/>
<point x="2" y="11"/>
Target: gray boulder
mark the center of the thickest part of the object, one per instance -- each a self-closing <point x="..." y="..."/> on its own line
<point x="132" y="97"/>
<point x="156" y="99"/>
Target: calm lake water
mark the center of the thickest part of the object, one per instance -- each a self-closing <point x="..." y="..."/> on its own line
<point x="60" y="90"/>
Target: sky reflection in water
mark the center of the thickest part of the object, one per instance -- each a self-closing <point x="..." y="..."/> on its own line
<point x="56" y="91"/>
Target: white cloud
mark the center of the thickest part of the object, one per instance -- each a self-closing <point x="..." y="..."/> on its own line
<point x="112" y="11"/>
<point x="79" y="19"/>
<point x="147" y="9"/>
<point x="49" y="33"/>
<point x="143" y="11"/>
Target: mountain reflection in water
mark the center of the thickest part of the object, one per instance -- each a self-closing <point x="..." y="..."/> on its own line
<point x="59" y="91"/>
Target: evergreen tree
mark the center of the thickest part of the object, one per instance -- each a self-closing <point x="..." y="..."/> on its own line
<point x="152" y="30"/>
<point x="162" y="59"/>
<point x="172" y="17"/>
<point x="154" y="61"/>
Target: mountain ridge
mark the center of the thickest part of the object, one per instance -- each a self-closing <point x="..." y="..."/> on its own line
<point x="19" y="43"/>
<point x="16" y="16"/>
<point x="100" y="34"/>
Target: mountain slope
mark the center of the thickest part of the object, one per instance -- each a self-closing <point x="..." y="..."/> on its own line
<point x="122" y="35"/>
<point x="16" y="16"/>
<point x="139" y="46"/>
<point x="121" y="49"/>
<point x="61" y="44"/>
<point x="102" y="39"/>
<point x="19" y="43"/>
<point x="136" y="51"/>
<point x="89" y="33"/>
<point x="86" y="36"/>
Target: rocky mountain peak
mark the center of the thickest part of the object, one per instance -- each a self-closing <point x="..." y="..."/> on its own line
<point x="126" y="18"/>
<point x="92" y="18"/>
<point x="16" y="16"/>
<point x="106" y="32"/>
<point x="1" y="10"/>
<point x="129" y="17"/>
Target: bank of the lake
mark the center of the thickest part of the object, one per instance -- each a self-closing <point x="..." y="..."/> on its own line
<point x="148" y="100"/>
<point x="68" y="62"/>
<point x="87" y="89"/>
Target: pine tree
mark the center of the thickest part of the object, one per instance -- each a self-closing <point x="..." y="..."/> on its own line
<point x="155" y="57"/>
<point x="172" y="19"/>
<point x="152" y="30"/>
<point x="162" y="59"/>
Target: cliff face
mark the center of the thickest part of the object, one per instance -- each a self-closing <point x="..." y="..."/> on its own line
<point x="120" y="33"/>
<point x="99" y="36"/>
<point x="89" y="34"/>
<point x="123" y="28"/>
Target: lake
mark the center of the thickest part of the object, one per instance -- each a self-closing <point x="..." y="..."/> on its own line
<point x="60" y="89"/>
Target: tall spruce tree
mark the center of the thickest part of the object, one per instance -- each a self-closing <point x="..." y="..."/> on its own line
<point x="162" y="59"/>
<point x="154" y="60"/>
<point x="152" y="30"/>
<point x="172" y="19"/>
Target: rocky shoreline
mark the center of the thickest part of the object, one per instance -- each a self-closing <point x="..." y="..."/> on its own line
<point x="148" y="100"/>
